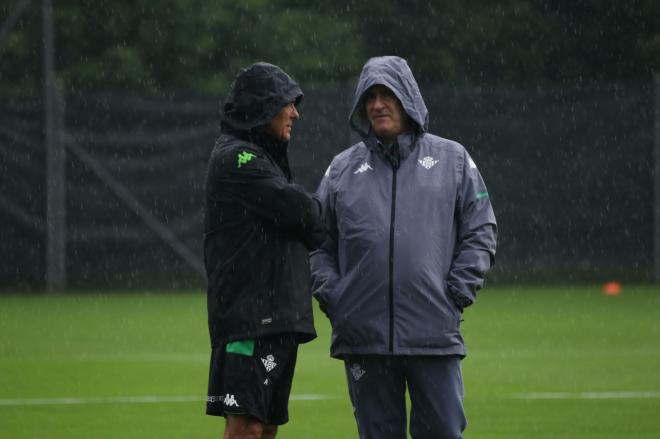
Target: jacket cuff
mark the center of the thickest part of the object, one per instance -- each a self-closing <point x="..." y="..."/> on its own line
<point x="461" y="300"/>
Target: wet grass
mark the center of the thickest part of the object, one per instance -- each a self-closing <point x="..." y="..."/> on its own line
<point x="542" y="363"/>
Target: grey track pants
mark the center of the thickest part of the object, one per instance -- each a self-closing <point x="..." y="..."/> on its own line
<point x="377" y="386"/>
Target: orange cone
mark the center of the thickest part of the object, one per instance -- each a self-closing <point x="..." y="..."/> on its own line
<point x="612" y="288"/>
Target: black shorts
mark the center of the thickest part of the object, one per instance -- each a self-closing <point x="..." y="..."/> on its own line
<point x="253" y="377"/>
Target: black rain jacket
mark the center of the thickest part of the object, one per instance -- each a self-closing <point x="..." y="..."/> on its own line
<point x="259" y="226"/>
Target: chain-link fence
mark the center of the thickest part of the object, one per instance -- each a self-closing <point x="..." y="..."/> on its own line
<point x="570" y="172"/>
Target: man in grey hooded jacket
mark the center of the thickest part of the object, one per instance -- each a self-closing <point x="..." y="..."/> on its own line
<point x="411" y="236"/>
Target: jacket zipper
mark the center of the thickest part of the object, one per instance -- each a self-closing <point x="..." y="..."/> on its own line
<point x="391" y="267"/>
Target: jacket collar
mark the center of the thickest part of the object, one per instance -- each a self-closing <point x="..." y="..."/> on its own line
<point x="405" y="143"/>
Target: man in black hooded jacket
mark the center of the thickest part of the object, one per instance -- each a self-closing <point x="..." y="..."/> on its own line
<point x="259" y="229"/>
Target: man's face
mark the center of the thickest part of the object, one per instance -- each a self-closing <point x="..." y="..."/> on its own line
<point x="280" y="126"/>
<point x="385" y="113"/>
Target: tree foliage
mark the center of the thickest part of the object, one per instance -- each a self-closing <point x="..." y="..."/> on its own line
<point x="198" y="46"/>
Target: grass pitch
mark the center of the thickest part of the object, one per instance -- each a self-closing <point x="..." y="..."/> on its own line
<point x="561" y="362"/>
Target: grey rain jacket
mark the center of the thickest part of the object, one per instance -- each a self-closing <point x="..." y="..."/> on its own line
<point x="259" y="226"/>
<point x="408" y="246"/>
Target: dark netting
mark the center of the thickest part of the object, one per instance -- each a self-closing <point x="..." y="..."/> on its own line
<point x="569" y="171"/>
<point x="22" y="194"/>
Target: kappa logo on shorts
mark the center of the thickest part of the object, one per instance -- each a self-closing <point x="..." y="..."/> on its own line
<point x="269" y="363"/>
<point x="357" y="371"/>
<point x="230" y="401"/>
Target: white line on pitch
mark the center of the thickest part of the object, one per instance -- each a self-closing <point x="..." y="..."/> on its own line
<point x="586" y="395"/>
<point x="133" y="400"/>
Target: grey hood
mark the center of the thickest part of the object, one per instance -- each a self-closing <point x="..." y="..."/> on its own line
<point x="392" y="72"/>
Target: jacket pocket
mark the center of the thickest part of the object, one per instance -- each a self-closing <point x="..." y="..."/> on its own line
<point x="333" y="298"/>
<point x="455" y="307"/>
<point x="427" y="318"/>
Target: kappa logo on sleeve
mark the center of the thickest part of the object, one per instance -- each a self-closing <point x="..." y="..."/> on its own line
<point x="363" y="168"/>
<point x="244" y="158"/>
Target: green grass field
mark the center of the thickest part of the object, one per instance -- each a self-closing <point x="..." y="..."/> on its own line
<point x="542" y="363"/>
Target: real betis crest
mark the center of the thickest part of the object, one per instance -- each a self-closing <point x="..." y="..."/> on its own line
<point x="427" y="162"/>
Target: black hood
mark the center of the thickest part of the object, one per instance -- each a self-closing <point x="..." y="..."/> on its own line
<point x="257" y="94"/>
